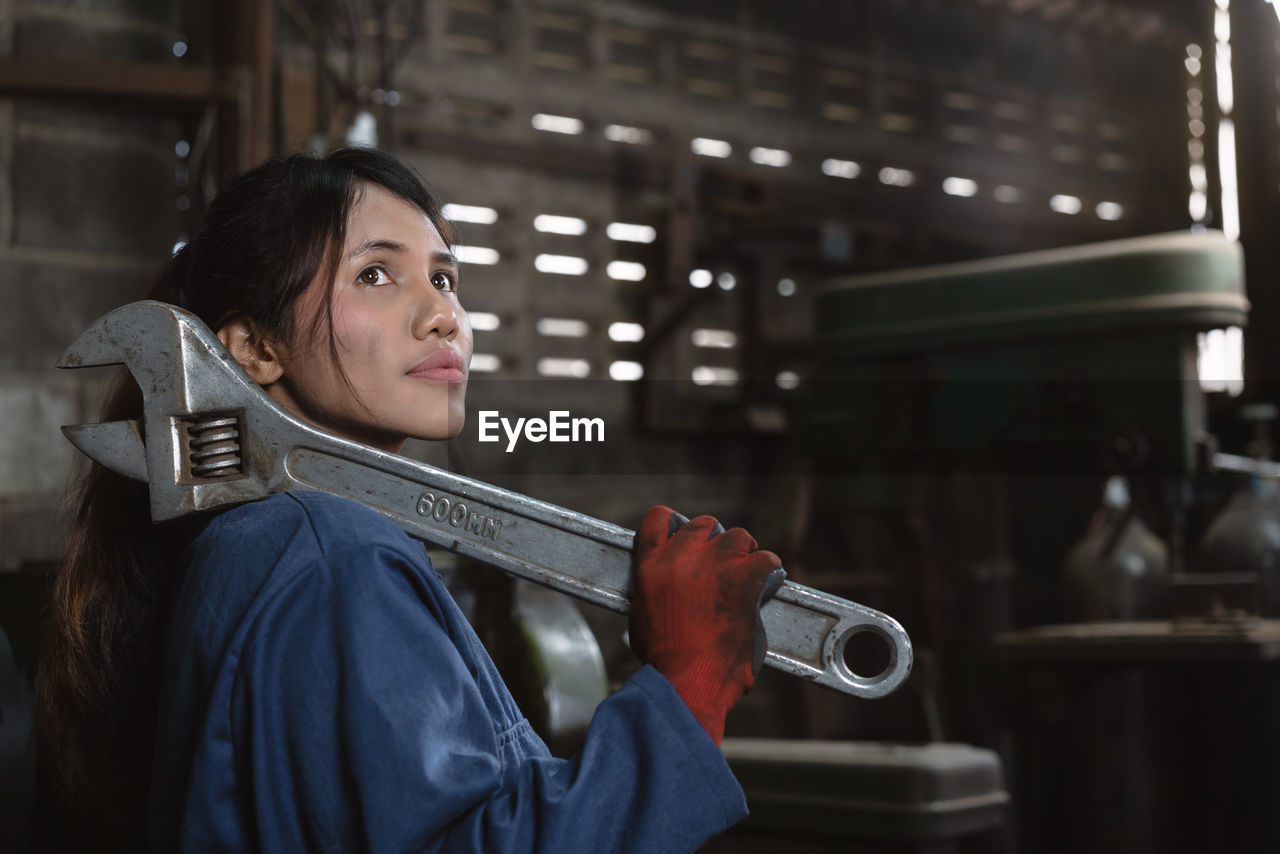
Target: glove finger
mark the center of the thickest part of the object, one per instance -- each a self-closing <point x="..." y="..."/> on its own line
<point x="761" y="564"/>
<point x="656" y="528"/>
<point x="737" y="541"/>
<point x="699" y="529"/>
<point x="772" y="582"/>
<point x="676" y="523"/>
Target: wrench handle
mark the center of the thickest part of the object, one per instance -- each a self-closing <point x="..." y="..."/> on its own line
<point x="586" y="558"/>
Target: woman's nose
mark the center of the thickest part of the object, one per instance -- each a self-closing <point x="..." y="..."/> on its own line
<point x="435" y="312"/>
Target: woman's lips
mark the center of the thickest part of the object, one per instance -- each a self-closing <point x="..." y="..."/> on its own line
<point x="442" y="366"/>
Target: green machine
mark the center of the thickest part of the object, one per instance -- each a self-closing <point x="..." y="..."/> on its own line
<point x="962" y="421"/>
<point x="1067" y="360"/>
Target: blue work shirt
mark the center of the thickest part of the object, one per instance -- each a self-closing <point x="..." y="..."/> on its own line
<point x="323" y="692"/>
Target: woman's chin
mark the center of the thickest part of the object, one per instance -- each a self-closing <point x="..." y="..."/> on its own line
<point x="440" y="432"/>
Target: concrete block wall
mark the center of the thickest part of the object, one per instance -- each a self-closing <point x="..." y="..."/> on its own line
<point x="87" y="215"/>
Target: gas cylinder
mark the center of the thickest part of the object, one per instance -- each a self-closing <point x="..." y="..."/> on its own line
<point x="1245" y="537"/>
<point x="1119" y="569"/>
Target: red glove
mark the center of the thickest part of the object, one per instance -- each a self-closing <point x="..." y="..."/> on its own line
<point x="695" y="614"/>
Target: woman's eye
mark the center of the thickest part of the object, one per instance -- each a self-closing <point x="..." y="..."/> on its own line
<point x="373" y="276"/>
<point x="444" y="282"/>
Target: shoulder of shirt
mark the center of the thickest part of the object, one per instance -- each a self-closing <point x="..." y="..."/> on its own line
<point x="332" y="522"/>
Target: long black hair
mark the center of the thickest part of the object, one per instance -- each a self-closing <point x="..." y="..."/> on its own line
<point x="266" y="238"/>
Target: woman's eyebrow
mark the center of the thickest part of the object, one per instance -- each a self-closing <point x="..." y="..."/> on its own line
<point x="375" y="245"/>
<point x="369" y="246"/>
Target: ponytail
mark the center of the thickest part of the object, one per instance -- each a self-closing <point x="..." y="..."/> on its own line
<point x="96" y="681"/>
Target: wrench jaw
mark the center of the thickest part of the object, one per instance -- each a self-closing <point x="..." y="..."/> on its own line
<point x="117" y="445"/>
<point x="194" y="396"/>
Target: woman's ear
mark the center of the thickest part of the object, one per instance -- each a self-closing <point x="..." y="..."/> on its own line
<point x="254" y="351"/>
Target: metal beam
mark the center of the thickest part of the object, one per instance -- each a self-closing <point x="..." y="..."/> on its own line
<point x="131" y="81"/>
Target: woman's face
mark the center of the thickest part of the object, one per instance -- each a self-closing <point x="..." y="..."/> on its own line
<point x="401" y="334"/>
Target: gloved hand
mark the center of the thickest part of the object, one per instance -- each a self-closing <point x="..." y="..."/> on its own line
<point x="695" y="612"/>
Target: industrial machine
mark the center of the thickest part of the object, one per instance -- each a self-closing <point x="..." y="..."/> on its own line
<point x="1066" y="360"/>
<point x="981" y="413"/>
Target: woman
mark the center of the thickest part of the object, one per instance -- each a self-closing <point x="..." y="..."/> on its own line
<point x="290" y="674"/>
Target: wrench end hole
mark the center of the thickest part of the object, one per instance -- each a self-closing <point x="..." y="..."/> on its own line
<point x="867" y="653"/>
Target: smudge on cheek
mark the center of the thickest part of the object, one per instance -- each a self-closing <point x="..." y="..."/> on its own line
<point x="357" y="336"/>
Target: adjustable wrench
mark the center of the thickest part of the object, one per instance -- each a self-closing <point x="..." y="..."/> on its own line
<point x="214" y="438"/>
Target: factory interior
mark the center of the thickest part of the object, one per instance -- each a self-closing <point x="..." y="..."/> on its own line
<point x="964" y="308"/>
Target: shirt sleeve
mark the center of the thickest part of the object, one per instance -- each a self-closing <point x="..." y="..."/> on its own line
<point x="360" y="724"/>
